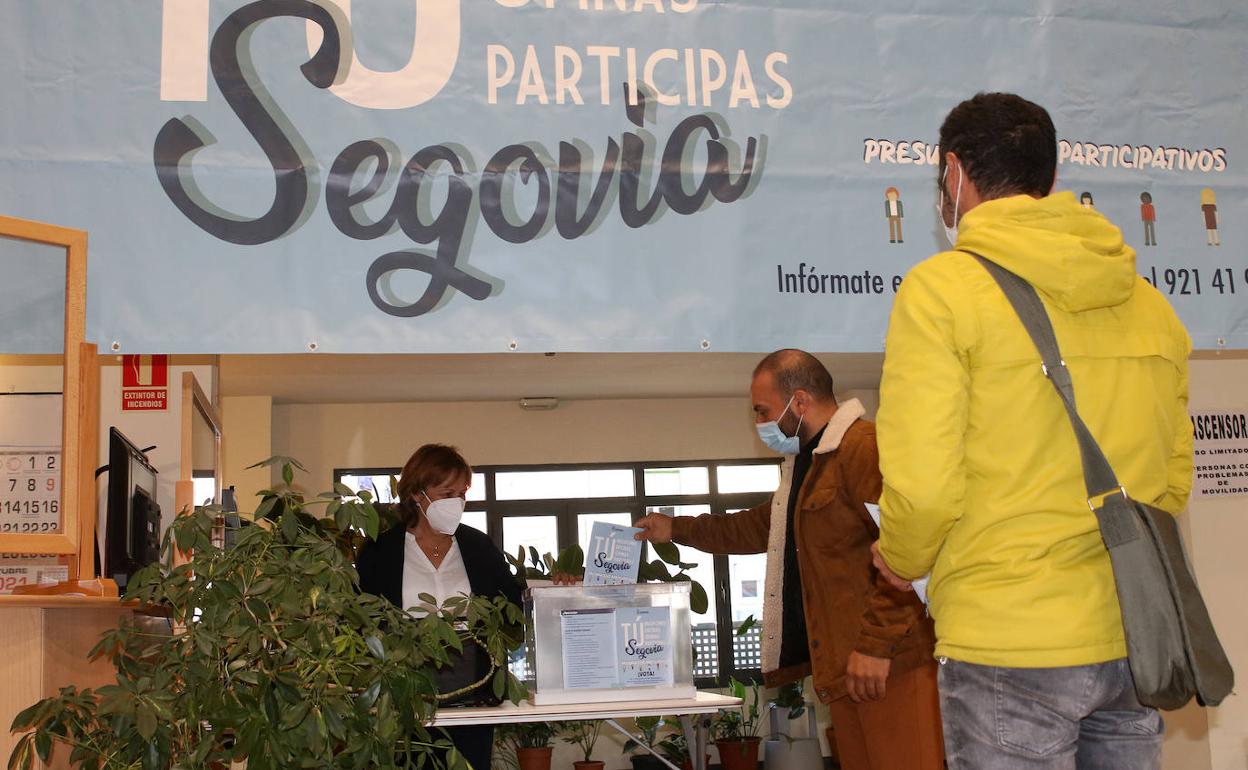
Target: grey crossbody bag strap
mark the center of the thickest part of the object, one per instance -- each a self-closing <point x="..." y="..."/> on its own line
<point x="1098" y="476"/>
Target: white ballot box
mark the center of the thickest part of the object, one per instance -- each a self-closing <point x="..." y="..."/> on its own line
<point x="597" y="644"/>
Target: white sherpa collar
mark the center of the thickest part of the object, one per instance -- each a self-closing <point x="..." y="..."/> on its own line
<point x="844" y="417"/>
<point x="773" y="605"/>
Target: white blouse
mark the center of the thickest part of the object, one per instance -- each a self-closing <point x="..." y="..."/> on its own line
<point x="421" y="577"/>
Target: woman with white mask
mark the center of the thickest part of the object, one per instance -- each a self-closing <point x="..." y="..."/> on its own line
<point x="431" y="552"/>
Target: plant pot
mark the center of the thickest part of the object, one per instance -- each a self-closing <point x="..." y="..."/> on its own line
<point x="534" y="759"/>
<point x="592" y="764"/>
<point x="738" y="754"/>
<point x="792" y="754"/>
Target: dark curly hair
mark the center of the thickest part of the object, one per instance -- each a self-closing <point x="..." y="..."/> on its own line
<point x="1006" y="144"/>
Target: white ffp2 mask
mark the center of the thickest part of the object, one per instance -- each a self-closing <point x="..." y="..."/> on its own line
<point x="444" y="515"/>
<point x="951" y="231"/>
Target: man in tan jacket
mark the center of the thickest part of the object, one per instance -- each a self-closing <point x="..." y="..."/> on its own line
<point x="827" y="612"/>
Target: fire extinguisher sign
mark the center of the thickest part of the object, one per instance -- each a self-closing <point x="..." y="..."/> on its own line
<point x="144" y="383"/>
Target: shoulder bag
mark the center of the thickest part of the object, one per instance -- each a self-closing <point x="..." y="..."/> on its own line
<point x="1173" y="651"/>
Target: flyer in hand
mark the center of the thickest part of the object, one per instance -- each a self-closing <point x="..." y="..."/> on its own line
<point x="613" y="556"/>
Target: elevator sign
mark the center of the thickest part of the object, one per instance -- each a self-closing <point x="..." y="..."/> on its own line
<point x="1221" y="454"/>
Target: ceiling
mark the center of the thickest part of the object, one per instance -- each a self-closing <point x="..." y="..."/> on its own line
<point x="317" y="378"/>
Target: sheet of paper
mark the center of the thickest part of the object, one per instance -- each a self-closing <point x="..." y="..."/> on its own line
<point x="920" y="585"/>
<point x="613" y="555"/>
<point x="20" y="569"/>
<point x="589" y="649"/>
<point x="645" y="653"/>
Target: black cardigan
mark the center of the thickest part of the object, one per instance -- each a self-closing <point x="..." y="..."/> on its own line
<point x="380" y="565"/>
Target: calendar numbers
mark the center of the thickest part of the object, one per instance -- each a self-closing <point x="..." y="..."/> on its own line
<point x="30" y="491"/>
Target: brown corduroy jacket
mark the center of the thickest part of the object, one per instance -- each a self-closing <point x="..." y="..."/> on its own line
<point x="848" y="606"/>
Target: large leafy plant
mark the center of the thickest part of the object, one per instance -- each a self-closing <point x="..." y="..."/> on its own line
<point x="273" y="655"/>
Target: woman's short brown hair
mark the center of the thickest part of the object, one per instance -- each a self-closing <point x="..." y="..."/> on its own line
<point x="429" y="466"/>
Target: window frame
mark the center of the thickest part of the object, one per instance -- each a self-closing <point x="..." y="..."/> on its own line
<point x="567" y="509"/>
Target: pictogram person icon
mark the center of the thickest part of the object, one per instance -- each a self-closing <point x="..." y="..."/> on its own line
<point x="1209" y="205"/>
<point x="893" y="212"/>
<point x="1148" y="214"/>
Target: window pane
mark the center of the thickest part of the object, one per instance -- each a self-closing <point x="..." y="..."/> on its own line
<point x="477" y="520"/>
<point x="677" y="481"/>
<point x="746" y="586"/>
<point x="378" y="485"/>
<point x="204" y="490"/>
<point x="747" y="478"/>
<point x="546" y="485"/>
<point x="585" y="522"/>
<point x="679" y="510"/>
<point x="540" y="532"/>
<point x="705" y="632"/>
<point x="476" y="492"/>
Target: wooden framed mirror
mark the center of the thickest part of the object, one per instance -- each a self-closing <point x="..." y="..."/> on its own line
<point x="79" y="451"/>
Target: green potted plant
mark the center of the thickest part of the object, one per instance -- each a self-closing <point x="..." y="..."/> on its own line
<point x="736" y="731"/>
<point x="676" y="749"/>
<point x="644" y="747"/>
<point x="781" y="751"/>
<point x="274" y="658"/>
<point x="583" y="734"/>
<point x="506" y="741"/>
<point x="534" y="745"/>
<point x="670" y="746"/>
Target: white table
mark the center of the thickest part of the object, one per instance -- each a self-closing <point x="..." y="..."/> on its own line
<point x="694" y="717"/>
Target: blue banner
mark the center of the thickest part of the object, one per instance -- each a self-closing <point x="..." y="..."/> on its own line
<point x="585" y="175"/>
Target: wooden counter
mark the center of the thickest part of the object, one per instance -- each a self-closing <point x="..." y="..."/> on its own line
<point x="44" y="641"/>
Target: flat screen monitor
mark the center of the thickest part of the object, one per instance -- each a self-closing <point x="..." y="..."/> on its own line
<point x="132" y="537"/>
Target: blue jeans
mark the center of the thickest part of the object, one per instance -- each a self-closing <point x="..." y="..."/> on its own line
<point x="1084" y="717"/>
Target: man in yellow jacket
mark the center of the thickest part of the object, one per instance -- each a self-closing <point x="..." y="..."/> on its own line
<point x="983" y="486"/>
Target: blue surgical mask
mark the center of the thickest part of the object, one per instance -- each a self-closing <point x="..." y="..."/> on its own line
<point x="774" y="438"/>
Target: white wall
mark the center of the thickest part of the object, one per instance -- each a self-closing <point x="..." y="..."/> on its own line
<point x="247" y="430"/>
<point x="30" y="374"/>
<point x="328" y="436"/>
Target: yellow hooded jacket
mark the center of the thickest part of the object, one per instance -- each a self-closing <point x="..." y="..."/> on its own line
<point x="983" y="487"/>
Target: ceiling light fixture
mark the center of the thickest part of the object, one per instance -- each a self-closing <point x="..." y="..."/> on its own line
<point x="539" y="404"/>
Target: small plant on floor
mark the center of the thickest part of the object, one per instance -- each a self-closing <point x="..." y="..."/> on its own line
<point x="736" y="731"/>
<point x="741" y="723"/>
<point x="532" y="741"/>
<point x="506" y="741"/>
<point x="535" y="735"/>
<point x="583" y="734"/>
<point x="671" y="746"/>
